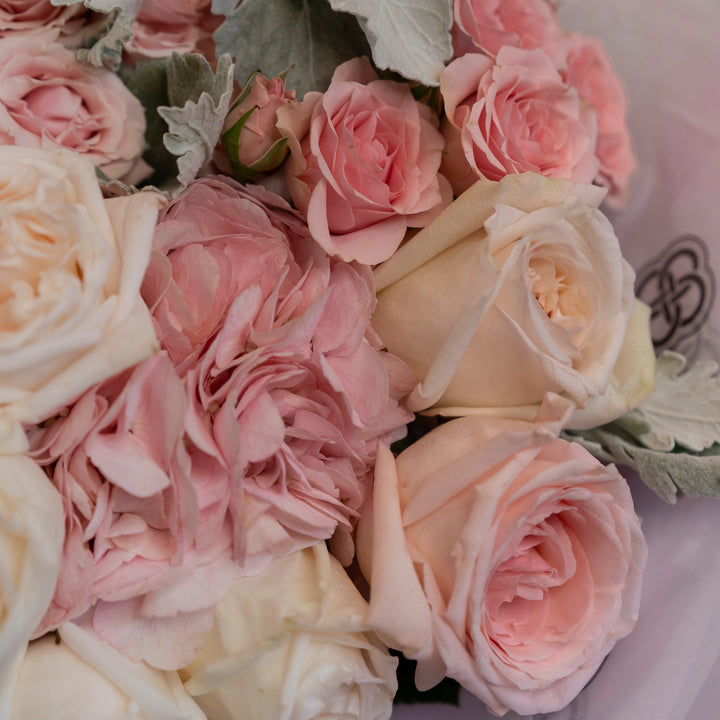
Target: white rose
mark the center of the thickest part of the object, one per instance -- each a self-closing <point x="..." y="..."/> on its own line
<point x="32" y="530"/>
<point x="82" y="677"/>
<point x="290" y="643"/>
<point x="517" y="289"/>
<point x="71" y="265"/>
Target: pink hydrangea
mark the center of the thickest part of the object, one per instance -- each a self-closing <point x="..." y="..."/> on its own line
<point x="286" y="387"/>
<point x="147" y="542"/>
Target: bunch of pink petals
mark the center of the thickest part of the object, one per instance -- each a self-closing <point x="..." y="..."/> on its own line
<point x="286" y="388"/>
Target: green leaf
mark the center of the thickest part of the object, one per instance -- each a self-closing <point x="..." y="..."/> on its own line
<point x="106" y="50"/>
<point x="147" y="80"/>
<point x="305" y="35"/>
<point x="199" y="102"/>
<point x="409" y="36"/>
<point x="685" y="408"/>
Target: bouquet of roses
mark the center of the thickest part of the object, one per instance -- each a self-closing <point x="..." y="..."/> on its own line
<point x="316" y="343"/>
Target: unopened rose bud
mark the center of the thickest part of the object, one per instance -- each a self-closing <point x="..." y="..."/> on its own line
<point x="250" y="137"/>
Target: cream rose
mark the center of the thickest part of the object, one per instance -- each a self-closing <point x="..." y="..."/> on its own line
<point x="32" y="529"/>
<point x="83" y="677"/>
<point x="517" y="289"/>
<point x="71" y="265"/>
<point x="290" y="642"/>
<point x="503" y="557"/>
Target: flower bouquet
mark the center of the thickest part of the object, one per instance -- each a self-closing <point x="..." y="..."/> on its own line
<point x="319" y="359"/>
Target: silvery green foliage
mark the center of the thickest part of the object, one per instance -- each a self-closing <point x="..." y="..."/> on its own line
<point x="129" y="7"/>
<point x="199" y="102"/>
<point x="685" y="409"/>
<point x="304" y="36"/>
<point x="673" y="438"/>
<point x="411" y="37"/>
<point x="106" y="50"/>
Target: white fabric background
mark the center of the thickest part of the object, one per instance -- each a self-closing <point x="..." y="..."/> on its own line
<point x="668" y="55"/>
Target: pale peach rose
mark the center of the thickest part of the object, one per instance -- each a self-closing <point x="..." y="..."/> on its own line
<point x="31" y="538"/>
<point x="79" y="676"/>
<point x="517" y="289"/>
<point x="590" y="72"/>
<point x="512" y="116"/>
<point x="492" y="24"/>
<point x="292" y="643"/>
<point x="49" y="99"/>
<point x="503" y="557"/>
<point x="71" y="314"/>
<point x="363" y="164"/>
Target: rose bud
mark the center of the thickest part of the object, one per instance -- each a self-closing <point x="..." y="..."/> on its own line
<point x="251" y="141"/>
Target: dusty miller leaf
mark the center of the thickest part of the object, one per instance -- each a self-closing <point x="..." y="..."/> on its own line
<point x="685" y="408"/>
<point x="199" y="102"/>
<point x="130" y="7"/>
<point x="106" y="51"/>
<point x="693" y="474"/>
<point x="273" y="36"/>
<point x="673" y="438"/>
<point x="409" y="36"/>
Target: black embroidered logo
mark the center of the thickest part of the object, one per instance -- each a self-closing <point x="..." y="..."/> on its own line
<point x="679" y="286"/>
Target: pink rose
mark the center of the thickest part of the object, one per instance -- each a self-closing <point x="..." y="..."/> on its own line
<point x="364" y="160"/>
<point x="259" y="144"/>
<point x="589" y="71"/>
<point x="163" y="27"/>
<point x="285" y="386"/>
<point x="492" y="24"/>
<point x="147" y="544"/>
<point x="48" y="99"/>
<point x="37" y="15"/>
<point x="514" y="116"/>
<point x="503" y="557"/>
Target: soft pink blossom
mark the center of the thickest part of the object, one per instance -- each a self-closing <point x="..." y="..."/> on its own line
<point x="363" y="165"/>
<point x="145" y="516"/>
<point x="589" y="71"/>
<point x="512" y="116"/>
<point x="27" y="16"/>
<point x="504" y="557"/>
<point x="270" y="337"/>
<point x="163" y="27"/>
<point x="492" y="24"/>
<point x="49" y="99"/>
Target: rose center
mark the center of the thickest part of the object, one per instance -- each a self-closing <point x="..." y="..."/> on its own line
<point x="557" y="294"/>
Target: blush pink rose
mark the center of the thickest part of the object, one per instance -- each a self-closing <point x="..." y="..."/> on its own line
<point x="516" y="115"/>
<point x="147" y="543"/>
<point x="589" y="71"/>
<point x="36" y="15"/>
<point x="163" y="27"/>
<point x="492" y="24"/>
<point x="363" y="165"/>
<point x="285" y="385"/>
<point x="50" y="100"/>
<point x="503" y="557"/>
